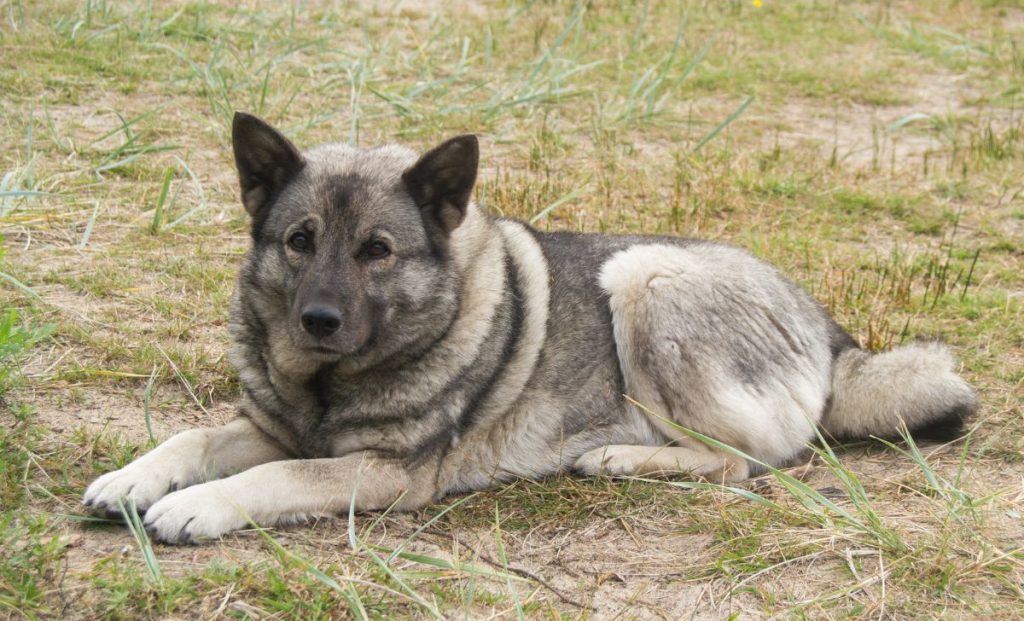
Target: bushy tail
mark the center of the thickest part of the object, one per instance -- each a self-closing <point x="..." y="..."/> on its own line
<point x="916" y="384"/>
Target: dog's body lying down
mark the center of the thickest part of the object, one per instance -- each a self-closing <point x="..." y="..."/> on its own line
<point x="395" y="342"/>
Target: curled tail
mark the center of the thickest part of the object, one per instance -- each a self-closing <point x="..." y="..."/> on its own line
<point x="916" y="384"/>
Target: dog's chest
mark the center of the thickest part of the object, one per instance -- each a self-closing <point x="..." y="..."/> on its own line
<point x="335" y="418"/>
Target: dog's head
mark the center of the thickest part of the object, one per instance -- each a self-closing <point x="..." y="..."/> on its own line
<point x="351" y="247"/>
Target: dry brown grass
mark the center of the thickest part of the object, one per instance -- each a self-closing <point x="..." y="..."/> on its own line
<point x="880" y="164"/>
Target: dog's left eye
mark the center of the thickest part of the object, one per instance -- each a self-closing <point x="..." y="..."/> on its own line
<point x="300" y="242"/>
<point x="376" y="250"/>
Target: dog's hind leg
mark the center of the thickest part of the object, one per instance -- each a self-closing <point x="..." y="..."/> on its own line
<point x="685" y="457"/>
<point x="188" y="458"/>
<point x="712" y="340"/>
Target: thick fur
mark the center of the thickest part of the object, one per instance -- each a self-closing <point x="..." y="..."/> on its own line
<point x="396" y="344"/>
<point x="915" y="384"/>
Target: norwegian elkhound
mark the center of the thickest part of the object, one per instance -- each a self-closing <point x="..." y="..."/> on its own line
<point x="396" y="344"/>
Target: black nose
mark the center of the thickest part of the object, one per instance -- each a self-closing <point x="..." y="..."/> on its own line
<point x="321" y="321"/>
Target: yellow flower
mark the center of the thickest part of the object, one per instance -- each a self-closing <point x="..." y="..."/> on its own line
<point x="757" y="4"/>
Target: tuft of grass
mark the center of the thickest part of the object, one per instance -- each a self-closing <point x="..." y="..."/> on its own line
<point x="814" y="506"/>
<point x="862" y="525"/>
<point x="15" y="339"/>
<point x="32" y="559"/>
<point x="133" y="147"/>
<point x="134" y="523"/>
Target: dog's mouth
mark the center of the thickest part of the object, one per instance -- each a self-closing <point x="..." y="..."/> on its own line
<point x="322" y="352"/>
<point x="349" y="341"/>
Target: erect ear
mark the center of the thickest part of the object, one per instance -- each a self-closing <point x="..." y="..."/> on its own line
<point x="441" y="182"/>
<point x="265" y="159"/>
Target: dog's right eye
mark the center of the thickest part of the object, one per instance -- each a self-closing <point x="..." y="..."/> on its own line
<point x="300" y="242"/>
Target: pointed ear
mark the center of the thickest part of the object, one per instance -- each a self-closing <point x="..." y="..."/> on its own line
<point x="265" y="159"/>
<point x="441" y="182"/>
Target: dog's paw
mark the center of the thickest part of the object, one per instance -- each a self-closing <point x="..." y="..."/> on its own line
<point x="607" y="460"/>
<point x="196" y="514"/>
<point x="142" y="482"/>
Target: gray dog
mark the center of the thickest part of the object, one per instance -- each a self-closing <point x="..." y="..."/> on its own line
<point x="396" y="344"/>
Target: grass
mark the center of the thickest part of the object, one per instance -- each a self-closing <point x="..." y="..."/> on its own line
<point x="873" y="151"/>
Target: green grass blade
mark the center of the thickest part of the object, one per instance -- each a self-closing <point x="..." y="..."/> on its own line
<point x="147" y="397"/>
<point x="729" y="119"/>
<point x="134" y="522"/>
<point x="158" y="212"/>
<point x="416" y="533"/>
<point x="88" y="226"/>
<point x="543" y="213"/>
<point x="17" y="284"/>
<point x="500" y="545"/>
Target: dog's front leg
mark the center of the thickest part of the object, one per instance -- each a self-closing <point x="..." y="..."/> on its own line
<point x="186" y="459"/>
<point x="286" y="492"/>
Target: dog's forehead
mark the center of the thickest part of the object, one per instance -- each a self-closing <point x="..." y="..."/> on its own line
<point x="378" y="166"/>
<point x="353" y="190"/>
